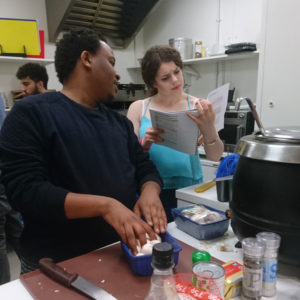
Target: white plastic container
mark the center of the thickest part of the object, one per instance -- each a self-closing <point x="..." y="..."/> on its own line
<point x="272" y="242"/>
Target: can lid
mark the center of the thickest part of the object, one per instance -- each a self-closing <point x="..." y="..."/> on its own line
<point x="271" y="239"/>
<point x="253" y="247"/>
<point x="200" y="255"/>
<point x="162" y="256"/>
<point x="208" y="269"/>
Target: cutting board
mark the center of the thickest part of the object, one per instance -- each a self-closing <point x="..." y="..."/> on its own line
<point x="106" y="268"/>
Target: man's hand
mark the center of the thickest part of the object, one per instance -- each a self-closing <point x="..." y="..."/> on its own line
<point x="149" y="205"/>
<point x="128" y="225"/>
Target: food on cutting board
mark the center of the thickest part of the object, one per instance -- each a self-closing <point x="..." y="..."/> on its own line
<point x="201" y="214"/>
<point x="147" y="248"/>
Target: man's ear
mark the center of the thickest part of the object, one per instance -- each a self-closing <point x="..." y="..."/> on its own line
<point x="86" y="58"/>
<point x="40" y="85"/>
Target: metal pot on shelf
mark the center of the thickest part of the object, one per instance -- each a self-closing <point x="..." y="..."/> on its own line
<point x="183" y="45"/>
<point x="266" y="187"/>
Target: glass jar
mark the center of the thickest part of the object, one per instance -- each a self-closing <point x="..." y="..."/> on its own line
<point x="198" y="49"/>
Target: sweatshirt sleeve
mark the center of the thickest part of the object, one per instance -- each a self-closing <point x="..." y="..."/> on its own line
<point x="23" y="155"/>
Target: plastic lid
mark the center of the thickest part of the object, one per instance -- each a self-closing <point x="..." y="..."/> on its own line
<point x="253" y="247"/>
<point x="200" y="255"/>
<point x="162" y="256"/>
<point x="271" y="239"/>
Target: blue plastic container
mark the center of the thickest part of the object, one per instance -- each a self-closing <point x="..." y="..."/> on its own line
<point x="141" y="265"/>
<point x="200" y="231"/>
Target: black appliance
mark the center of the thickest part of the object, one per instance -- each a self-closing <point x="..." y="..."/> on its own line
<point x="240" y="47"/>
<point x="127" y="93"/>
<point x="266" y="189"/>
<point x="237" y="123"/>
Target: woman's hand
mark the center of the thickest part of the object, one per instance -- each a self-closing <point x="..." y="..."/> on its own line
<point x="206" y="116"/>
<point x="205" y="120"/>
<point x="206" y="123"/>
<point x="152" y="135"/>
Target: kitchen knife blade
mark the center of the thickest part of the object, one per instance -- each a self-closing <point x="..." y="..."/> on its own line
<point x="69" y="280"/>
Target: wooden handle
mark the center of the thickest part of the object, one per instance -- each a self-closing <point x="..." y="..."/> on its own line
<point x="255" y="115"/>
<point x="56" y="272"/>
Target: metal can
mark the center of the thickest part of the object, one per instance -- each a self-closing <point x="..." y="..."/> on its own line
<point x="210" y="277"/>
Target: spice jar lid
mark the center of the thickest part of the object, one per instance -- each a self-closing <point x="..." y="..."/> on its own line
<point x="253" y="247"/>
<point x="200" y="255"/>
<point x="271" y="239"/>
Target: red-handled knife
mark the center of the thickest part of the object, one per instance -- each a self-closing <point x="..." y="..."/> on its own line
<point x="58" y="274"/>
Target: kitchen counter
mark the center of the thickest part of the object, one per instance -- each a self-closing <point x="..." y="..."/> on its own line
<point x="223" y="248"/>
<point x="187" y="196"/>
<point x="288" y="283"/>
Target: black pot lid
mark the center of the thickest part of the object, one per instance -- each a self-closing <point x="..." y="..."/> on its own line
<point x="287" y="134"/>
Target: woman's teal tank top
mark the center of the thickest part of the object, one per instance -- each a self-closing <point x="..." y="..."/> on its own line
<point x="177" y="169"/>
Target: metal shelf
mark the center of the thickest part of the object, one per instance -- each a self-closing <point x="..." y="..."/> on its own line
<point x="215" y="58"/>
<point x="22" y="60"/>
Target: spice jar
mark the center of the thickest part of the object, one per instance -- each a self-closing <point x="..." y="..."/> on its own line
<point x="253" y="251"/>
<point x="272" y="242"/>
<point x="198" y="49"/>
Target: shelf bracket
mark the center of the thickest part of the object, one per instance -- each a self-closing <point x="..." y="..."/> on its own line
<point x="188" y="72"/>
<point x="187" y="69"/>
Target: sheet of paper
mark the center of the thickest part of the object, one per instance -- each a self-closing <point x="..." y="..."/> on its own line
<point x="218" y="99"/>
<point x="180" y="132"/>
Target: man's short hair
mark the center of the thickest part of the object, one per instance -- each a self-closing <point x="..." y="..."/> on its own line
<point x="35" y="72"/>
<point x="70" y="47"/>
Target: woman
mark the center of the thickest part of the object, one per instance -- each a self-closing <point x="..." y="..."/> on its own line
<point x="162" y="73"/>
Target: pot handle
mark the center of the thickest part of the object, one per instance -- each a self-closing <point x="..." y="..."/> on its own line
<point x="255" y="114"/>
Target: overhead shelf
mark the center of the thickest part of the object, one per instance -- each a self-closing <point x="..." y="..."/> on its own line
<point x="224" y="57"/>
<point x="215" y="58"/>
<point x="21" y="60"/>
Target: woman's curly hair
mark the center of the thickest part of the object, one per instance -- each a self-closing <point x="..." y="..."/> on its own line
<point x="152" y="60"/>
<point x="70" y="47"/>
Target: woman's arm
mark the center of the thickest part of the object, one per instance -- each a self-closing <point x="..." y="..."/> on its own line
<point x="134" y="114"/>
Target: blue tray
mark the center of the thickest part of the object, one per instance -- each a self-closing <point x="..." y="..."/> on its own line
<point x="200" y="231"/>
<point x="141" y="265"/>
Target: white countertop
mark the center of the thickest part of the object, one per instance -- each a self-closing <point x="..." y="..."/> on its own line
<point x="208" y="197"/>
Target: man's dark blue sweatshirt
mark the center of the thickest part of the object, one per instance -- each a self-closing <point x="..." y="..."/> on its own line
<point x="50" y="146"/>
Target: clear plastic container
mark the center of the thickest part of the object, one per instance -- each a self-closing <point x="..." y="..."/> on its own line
<point x="162" y="281"/>
<point x="253" y="251"/>
<point x="272" y="243"/>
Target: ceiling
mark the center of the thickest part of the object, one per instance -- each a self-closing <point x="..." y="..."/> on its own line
<point x="118" y="20"/>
